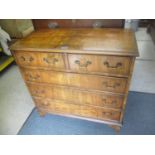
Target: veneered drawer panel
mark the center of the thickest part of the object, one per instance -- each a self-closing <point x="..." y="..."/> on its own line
<point x="76" y="96"/>
<point x="75" y="109"/>
<point x="104" y="83"/>
<point x="39" y="59"/>
<point x="99" y="64"/>
<point x="27" y="58"/>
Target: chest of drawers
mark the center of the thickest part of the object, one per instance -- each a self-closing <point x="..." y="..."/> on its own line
<point x="83" y="73"/>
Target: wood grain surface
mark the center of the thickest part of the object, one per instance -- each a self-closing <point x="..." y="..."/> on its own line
<point x="95" y="41"/>
<point x="82" y="73"/>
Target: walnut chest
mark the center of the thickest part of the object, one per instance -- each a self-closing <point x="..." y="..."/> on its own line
<point x="83" y="73"/>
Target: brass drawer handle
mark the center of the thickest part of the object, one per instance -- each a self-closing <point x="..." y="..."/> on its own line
<point x="38" y="92"/>
<point x="108" y="113"/>
<point x="114" y="102"/>
<point x="32" y="77"/>
<point x="111" y="86"/>
<point x="84" y="64"/>
<point x="50" y="60"/>
<point x="31" y="59"/>
<point x="106" y="63"/>
<point x="24" y="59"/>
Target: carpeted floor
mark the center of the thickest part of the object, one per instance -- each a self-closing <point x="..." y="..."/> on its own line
<point x="139" y="120"/>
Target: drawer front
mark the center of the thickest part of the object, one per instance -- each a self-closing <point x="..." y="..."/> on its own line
<point x="104" y="83"/>
<point x="99" y="64"/>
<point x="50" y="60"/>
<point x="79" y="110"/>
<point x="27" y="58"/>
<point x="76" y="96"/>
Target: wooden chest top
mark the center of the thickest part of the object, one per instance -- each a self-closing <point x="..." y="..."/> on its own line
<point x="83" y="40"/>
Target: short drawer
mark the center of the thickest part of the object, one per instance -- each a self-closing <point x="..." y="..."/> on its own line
<point x="111" y="84"/>
<point x="76" y="96"/>
<point x="61" y="107"/>
<point x="99" y="64"/>
<point x="39" y="59"/>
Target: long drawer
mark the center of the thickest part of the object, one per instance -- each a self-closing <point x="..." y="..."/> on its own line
<point x="75" y="109"/>
<point x="103" y="83"/>
<point x="76" y="96"/>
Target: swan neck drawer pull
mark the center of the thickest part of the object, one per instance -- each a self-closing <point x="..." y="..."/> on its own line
<point x="23" y="58"/>
<point x="29" y="59"/>
<point x="108" y="113"/>
<point x="31" y="77"/>
<point x="84" y="64"/>
<point x="109" y="103"/>
<point x="106" y="63"/>
<point x="50" y="60"/>
<point x="111" y="86"/>
<point x="39" y="92"/>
